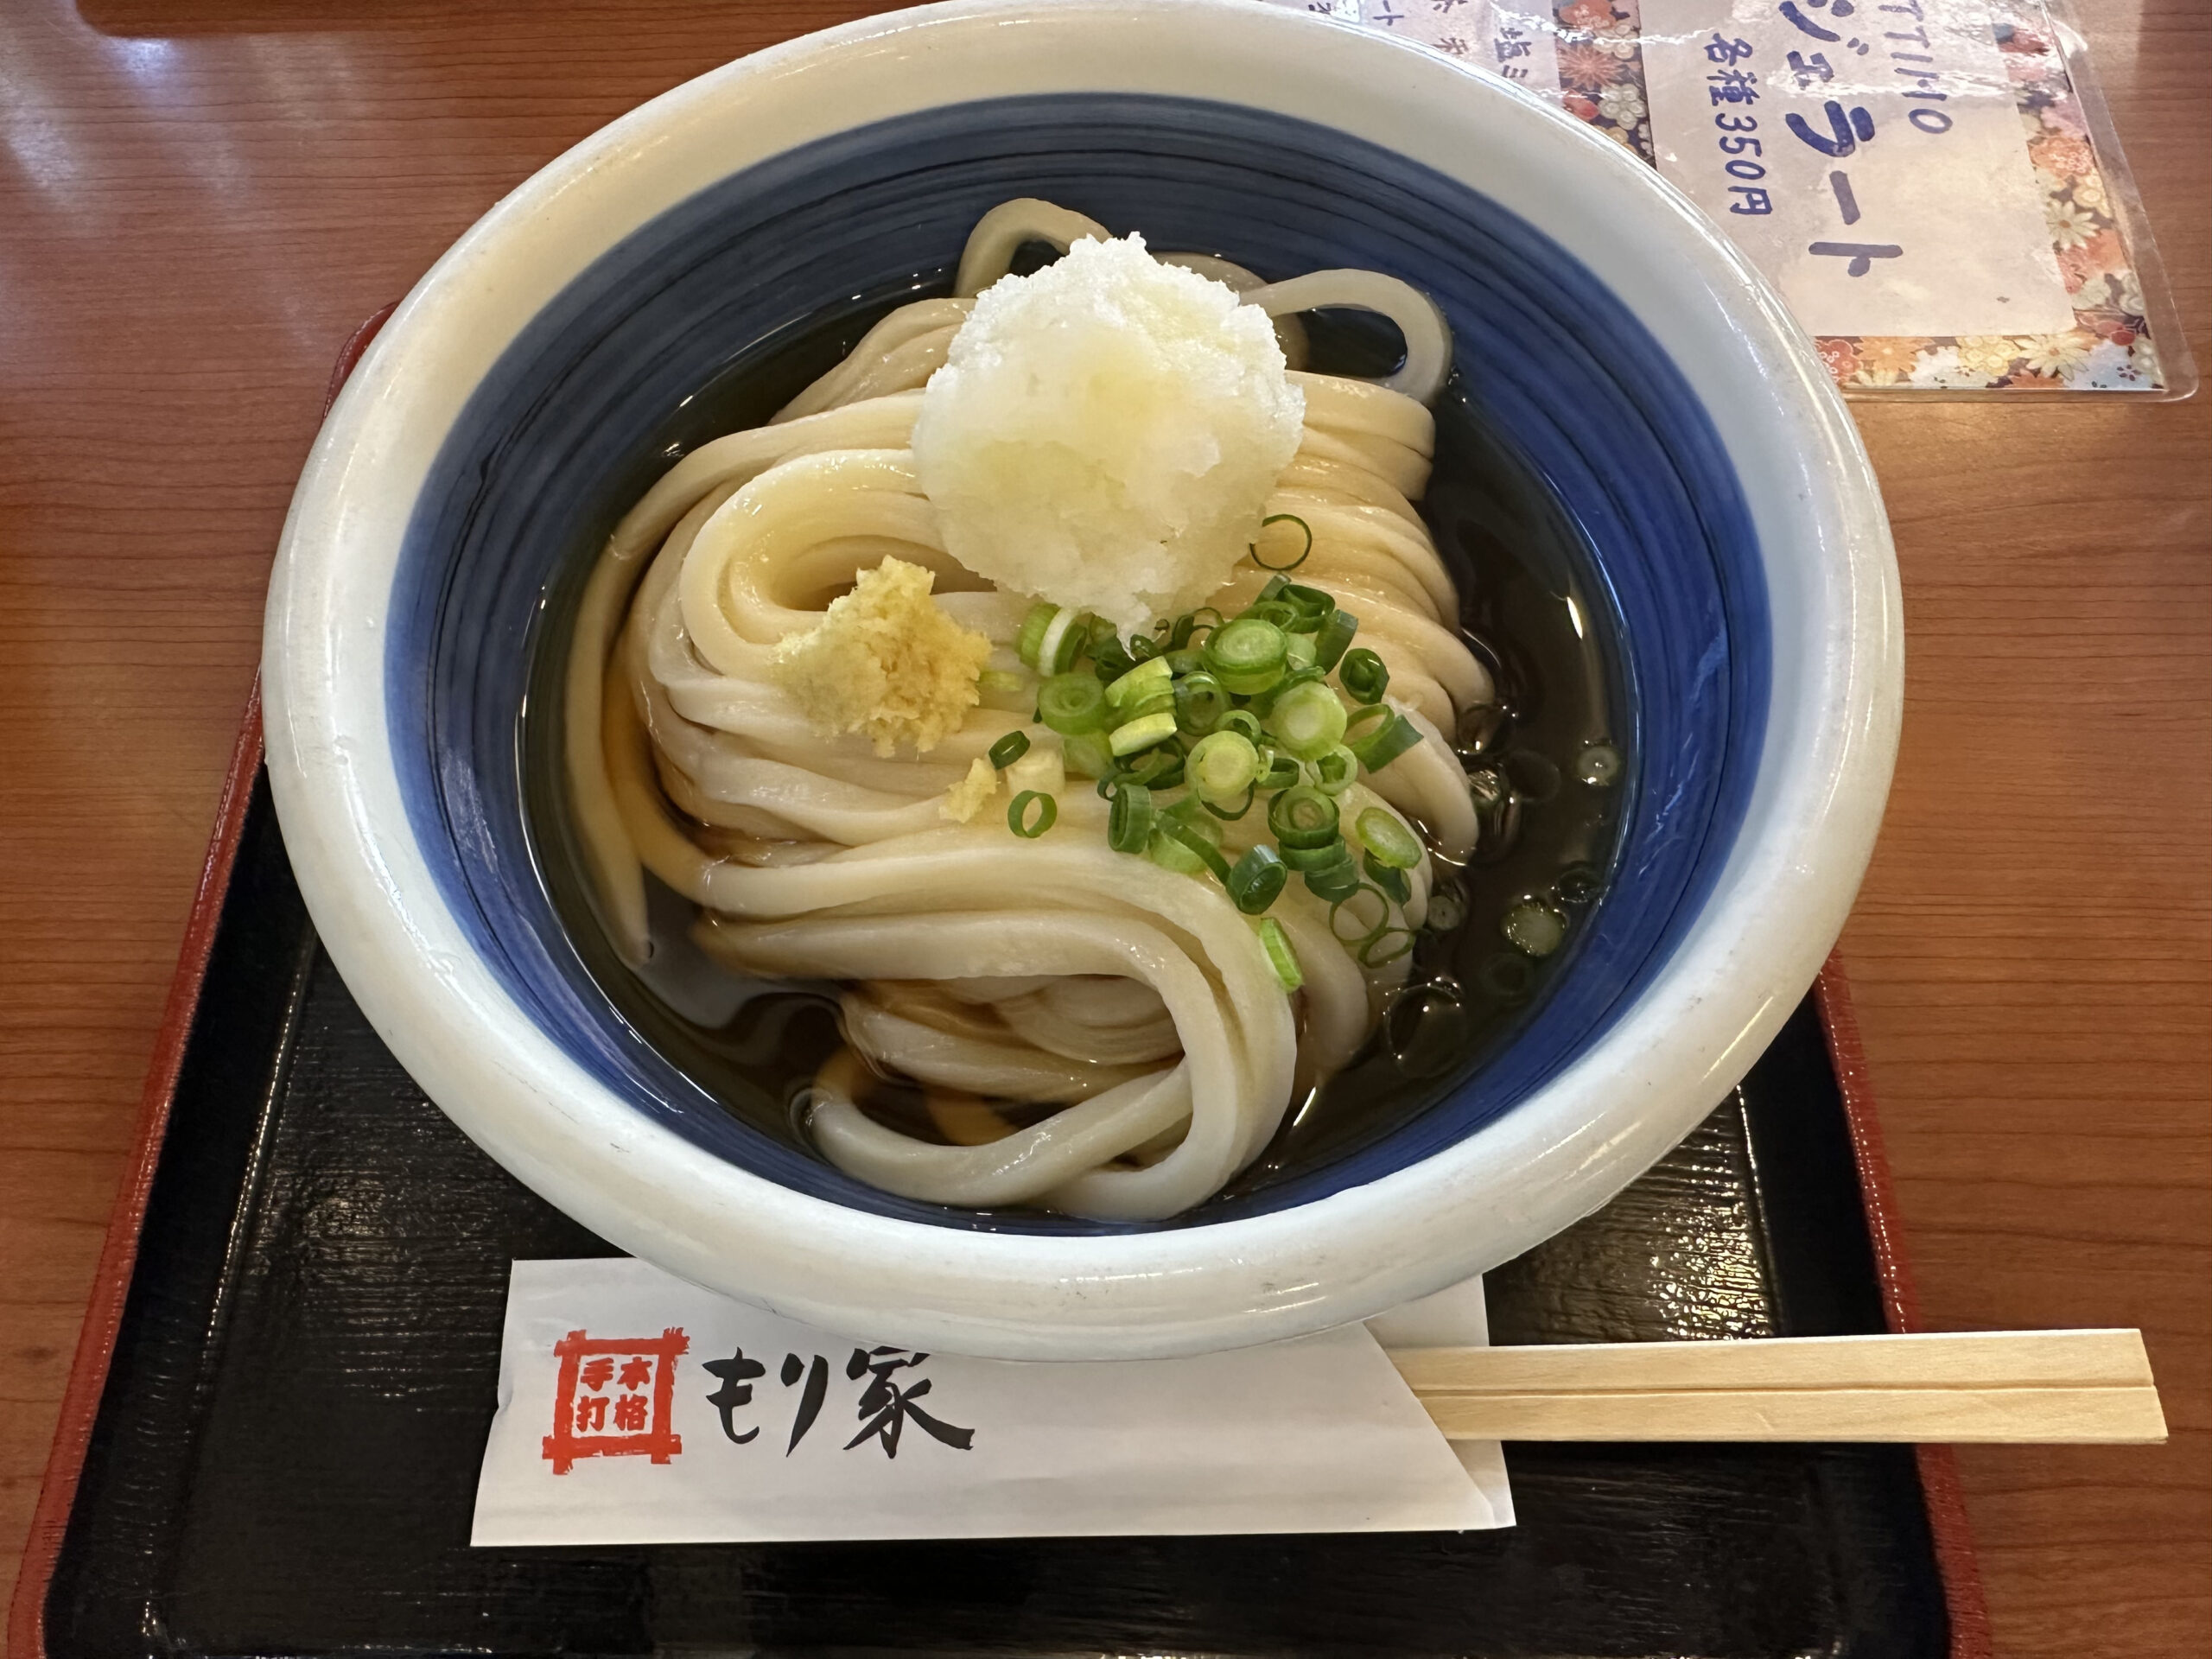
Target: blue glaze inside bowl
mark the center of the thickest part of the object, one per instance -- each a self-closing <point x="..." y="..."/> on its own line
<point x="571" y="425"/>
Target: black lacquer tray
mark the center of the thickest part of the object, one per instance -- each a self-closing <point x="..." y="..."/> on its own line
<point x="273" y="1433"/>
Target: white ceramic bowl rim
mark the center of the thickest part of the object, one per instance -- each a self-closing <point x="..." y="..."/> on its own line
<point x="1808" y="830"/>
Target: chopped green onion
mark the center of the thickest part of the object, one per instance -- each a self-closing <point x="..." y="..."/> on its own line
<point x="1242" y="722"/>
<point x="1231" y="810"/>
<point x="1161" y="701"/>
<point x="1256" y="881"/>
<point x="1447" y="907"/>
<point x="1140" y="734"/>
<point x="1278" y="613"/>
<point x="1335" y="771"/>
<point x="1178" y="635"/>
<point x="1147" y="677"/>
<point x="1336" y="634"/>
<point x="1109" y="658"/>
<point x="1032" y="631"/>
<point x="1222" y="766"/>
<point x="1399" y="941"/>
<point x="1303" y="816"/>
<point x="1009" y="749"/>
<point x="1194" y="839"/>
<point x="1534" y="928"/>
<point x="1028" y="826"/>
<point x="1073" y="704"/>
<point x="1246" y="656"/>
<point x="1200" y="703"/>
<point x="1334" y="882"/>
<point x="1172" y="855"/>
<point x="1184" y="661"/>
<point x="1086" y="753"/>
<point x="1279" y="518"/>
<point x="1307" y="719"/>
<point x="1599" y="764"/>
<point x="1128" y="820"/>
<point x="1342" y="908"/>
<point x="1299" y="651"/>
<point x="1187" y="810"/>
<point x="1159" y="768"/>
<point x="1281" y="769"/>
<point x="1303" y="859"/>
<point x="1311" y="606"/>
<point x="1367" y="721"/>
<point x="1272" y="588"/>
<point x="1264" y="704"/>
<point x="1381" y="748"/>
<point x="999" y="687"/>
<point x="1063" y="641"/>
<point x="1281" y="956"/>
<point x="1364" y="675"/>
<point x="1386" y="838"/>
<point x="1143" y="647"/>
<point x="1392" y="880"/>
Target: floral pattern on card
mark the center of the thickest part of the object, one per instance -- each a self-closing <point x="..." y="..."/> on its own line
<point x="1601" y="71"/>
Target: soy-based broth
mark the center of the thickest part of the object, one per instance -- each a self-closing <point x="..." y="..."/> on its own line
<point x="1549" y="765"/>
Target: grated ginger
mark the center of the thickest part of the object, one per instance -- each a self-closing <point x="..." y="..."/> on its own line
<point x="967" y="797"/>
<point x="886" y="661"/>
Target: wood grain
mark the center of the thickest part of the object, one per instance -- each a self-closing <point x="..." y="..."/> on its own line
<point x="1861" y="1416"/>
<point x="199" y="199"/>
<point x="1945" y="1359"/>
<point x="1947" y="1388"/>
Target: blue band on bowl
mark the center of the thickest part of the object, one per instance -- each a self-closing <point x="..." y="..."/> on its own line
<point x="571" y="424"/>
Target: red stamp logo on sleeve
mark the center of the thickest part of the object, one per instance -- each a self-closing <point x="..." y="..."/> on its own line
<point x="615" y="1398"/>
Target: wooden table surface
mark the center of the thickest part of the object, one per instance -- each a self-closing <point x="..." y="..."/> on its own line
<point x="199" y="200"/>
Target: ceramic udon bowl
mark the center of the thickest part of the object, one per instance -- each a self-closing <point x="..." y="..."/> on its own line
<point x="530" y="386"/>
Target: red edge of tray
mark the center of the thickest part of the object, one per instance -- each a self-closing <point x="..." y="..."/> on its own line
<point x="1955" y="1563"/>
<point x="1939" y="1474"/>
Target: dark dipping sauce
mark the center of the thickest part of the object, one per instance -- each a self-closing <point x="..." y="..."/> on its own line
<point x="1549" y="766"/>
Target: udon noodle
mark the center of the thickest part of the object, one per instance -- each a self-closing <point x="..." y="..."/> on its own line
<point x="1096" y="1034"/>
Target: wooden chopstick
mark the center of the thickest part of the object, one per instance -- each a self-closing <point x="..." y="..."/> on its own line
<point x="2059" y="1386"/>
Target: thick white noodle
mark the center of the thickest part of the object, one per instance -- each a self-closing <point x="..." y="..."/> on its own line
<point x="1124" y="1019"/>
<point x="1009" y="227"/>
<point x="1428" y="337"/>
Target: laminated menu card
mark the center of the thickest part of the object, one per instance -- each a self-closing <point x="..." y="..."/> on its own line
<point x="1933" y="185"/>
<point x="634" y="1408"/>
